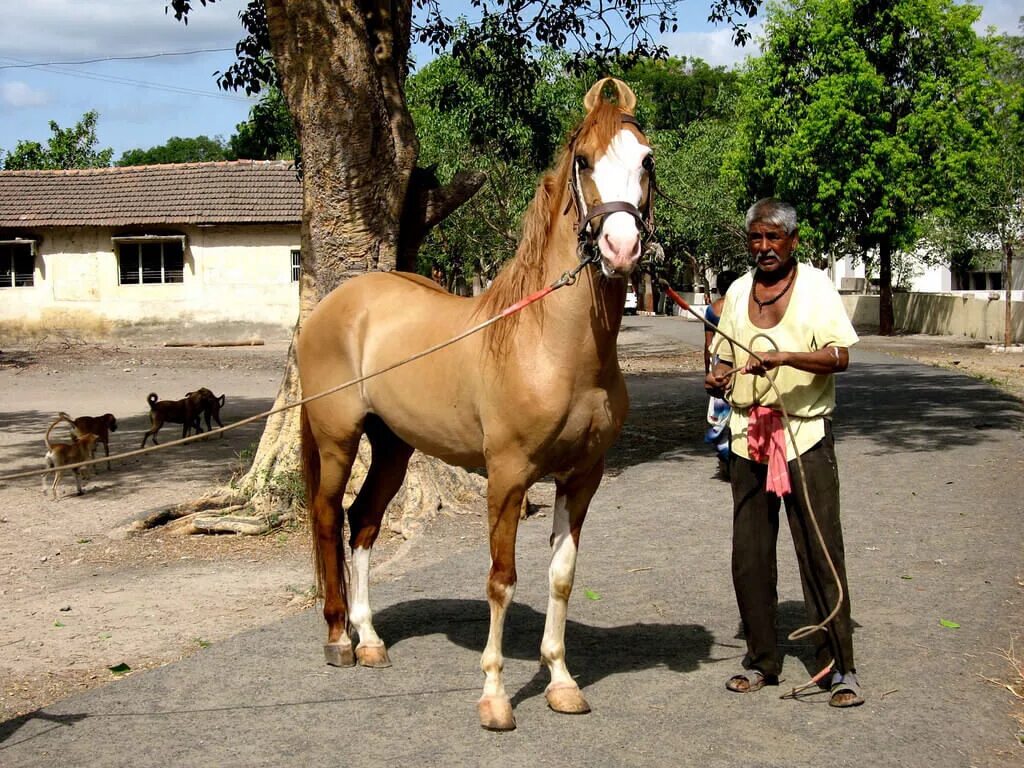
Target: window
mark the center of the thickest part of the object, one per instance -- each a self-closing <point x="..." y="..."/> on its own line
<point x="17" y="265"/>
<point x="296" y="265"/>
<point x="156" y="261"/>
<point x="977" y="280"/>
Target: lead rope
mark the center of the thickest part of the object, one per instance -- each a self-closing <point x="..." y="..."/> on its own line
<point x="567" y="278"/>
<point x="802" y="632"/>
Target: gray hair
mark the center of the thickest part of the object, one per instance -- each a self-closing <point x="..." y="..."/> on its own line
<point x="772" y="211"/>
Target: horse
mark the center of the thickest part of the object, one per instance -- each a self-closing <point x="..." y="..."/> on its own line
<point x="545" y="397"/>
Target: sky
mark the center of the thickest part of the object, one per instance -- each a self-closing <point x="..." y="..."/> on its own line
<point x="143" y="102"/>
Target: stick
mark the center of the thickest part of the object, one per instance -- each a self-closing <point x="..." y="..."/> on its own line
<point x="250" y="343"/>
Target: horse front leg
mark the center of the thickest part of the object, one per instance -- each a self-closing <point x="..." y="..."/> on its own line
<point x="571" y="503"/>
<point x="504" y="499"/>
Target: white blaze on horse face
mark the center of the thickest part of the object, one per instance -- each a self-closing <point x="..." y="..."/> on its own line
<point x="617" y="176"/>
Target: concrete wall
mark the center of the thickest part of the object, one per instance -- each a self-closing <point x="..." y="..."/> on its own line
<point x="232" y="273"/>
<point x="938" y="314"/>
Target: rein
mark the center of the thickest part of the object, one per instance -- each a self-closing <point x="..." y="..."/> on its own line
<point x="587" y="252"/>
<point x="567" y="278"/>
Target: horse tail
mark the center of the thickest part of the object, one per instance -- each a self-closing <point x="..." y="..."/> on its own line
<point x="310" y="457"/>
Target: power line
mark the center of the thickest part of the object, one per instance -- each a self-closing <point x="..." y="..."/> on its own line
<point x="27" y="65"/>
<point x="56" y="70"/>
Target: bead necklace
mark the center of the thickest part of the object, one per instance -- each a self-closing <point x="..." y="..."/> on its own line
<point x="762" y="304"/>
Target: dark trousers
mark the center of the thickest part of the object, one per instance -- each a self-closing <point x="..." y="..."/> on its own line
<point x="754" y="567"/>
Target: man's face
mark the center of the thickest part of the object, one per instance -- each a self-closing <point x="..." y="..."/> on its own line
<point x="770" y="246"/>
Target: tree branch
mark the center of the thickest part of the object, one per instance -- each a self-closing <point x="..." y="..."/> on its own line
<point x="428" y="203"/>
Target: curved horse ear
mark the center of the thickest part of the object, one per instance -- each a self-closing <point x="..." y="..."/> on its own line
<point x="624" y="95"/>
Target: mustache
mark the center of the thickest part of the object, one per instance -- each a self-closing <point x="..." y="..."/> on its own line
<point x="768" y="254"/>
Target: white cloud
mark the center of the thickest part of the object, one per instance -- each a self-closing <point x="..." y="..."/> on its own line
<point x="715" y="47"/>
<point x="48" y="30"/>
<point x="16" y="94"/>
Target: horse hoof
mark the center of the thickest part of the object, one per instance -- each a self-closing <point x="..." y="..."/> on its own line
<point x="339" y="654"/>
<point x="496" y="713"/>
<point x="566" y="699"/>
<point x="375" y="656"/>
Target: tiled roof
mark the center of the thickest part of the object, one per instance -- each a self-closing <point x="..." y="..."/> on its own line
<point x="238" y="192"/>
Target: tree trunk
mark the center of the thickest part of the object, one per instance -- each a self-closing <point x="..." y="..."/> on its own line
<point x="1008" y="286"/>
<point x="342" y="68"/>
<point x="886" y="318"/>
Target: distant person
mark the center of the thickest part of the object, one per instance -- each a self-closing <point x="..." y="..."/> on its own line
<point x="718" y="408"/>
<point x="799" y="308"/>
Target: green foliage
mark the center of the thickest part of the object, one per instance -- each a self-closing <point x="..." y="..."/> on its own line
<point x="466" y="121"/>
<point x="287" y="487"/>
<point x="866" y="115"/>
<point x="177" y="150"/>
<point x="701" y="230"/>
<point x="672" y="93"/>
<point x="269" y="133"/>
<point x="988" y="217"/>
<point x="67" y="148"/>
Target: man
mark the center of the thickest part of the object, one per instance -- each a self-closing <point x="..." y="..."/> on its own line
<point x="792" y="317"/>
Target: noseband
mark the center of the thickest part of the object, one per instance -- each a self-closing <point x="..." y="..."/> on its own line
<point x="586" y="234"/>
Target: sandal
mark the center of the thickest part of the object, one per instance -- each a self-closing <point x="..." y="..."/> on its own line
<point x="750" y="681"/>
<point x="845" y="691"/>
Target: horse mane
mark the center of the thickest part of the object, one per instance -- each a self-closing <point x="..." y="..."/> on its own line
<point x="524" y="274"/>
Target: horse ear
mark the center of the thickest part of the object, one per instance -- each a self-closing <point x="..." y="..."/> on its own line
<point x="624" y="95"/>
<point x="594" y="94"/>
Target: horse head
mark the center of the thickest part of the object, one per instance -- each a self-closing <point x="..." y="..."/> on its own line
<point x="611" y="179"/>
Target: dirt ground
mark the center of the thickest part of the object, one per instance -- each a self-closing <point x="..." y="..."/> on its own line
<point x="88" y="599"/>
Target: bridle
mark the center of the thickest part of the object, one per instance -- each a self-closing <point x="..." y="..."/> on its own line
<point x="586" y="233"/>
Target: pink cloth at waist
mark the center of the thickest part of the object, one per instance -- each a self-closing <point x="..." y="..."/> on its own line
<point x="766" y="442"/>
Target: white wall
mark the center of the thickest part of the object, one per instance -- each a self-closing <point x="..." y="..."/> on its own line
<point x="930" y="279"/>
<point x="232" y="273"/>
<point x="942" y="315"/>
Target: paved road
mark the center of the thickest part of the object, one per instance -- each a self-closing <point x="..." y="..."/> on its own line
<point x="933" y="476"/>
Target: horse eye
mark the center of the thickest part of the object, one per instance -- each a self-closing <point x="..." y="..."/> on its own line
<point x="649" y="163"/>
<point x="581" y="163"/>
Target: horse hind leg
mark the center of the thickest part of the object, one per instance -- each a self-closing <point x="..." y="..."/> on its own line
<point x="571" y="503"/>
<point x="390" y="460"/>
<point x="327" y="467"/>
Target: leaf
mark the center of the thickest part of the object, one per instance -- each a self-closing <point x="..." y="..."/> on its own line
<point x="591" y="594"/>
<point x="906" y="576"/>
<point x="58" y="624"/>
<point x="949" y="624"/>
<point x="120" y="669"/>
<point x="203" y="643"/>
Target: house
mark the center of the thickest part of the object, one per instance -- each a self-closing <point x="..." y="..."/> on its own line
<point x="190" y="243"/>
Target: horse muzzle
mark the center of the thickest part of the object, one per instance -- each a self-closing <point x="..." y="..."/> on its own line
<point x="619" y="244"/>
